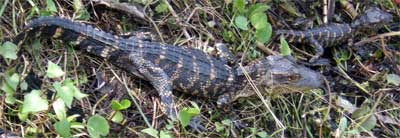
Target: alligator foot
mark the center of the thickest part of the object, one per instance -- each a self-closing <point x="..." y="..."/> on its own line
<point x="195" y="123"/>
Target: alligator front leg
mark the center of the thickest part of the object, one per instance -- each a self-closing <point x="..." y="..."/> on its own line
<point x="163" y="84"/>
<point x="160" y="81"/>
<point x="319" y="50"/>
<point x="229" y="97"/>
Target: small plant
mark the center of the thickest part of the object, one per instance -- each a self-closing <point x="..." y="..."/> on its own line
<point x="253" y="22"/>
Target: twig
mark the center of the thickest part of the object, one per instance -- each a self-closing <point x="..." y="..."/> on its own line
<point x="187" y="35"/>
<point x="126" y="7"/>
<point x="374" y="38"/>
<point x="280" y="125"/>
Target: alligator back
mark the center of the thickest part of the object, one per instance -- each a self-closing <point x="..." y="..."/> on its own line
<point x="326" y="35"/>
<point x="190" y="70"/>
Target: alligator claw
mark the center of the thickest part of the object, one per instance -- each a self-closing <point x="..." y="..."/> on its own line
<point x="195" y="124"/>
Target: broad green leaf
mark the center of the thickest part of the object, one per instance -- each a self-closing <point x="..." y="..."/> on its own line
<point x="239" y="5"/>
<point x="165" y="134"/>
<point x="241" y="22"/>
<point x="63" y="128"/>
<point x="259" y="20"/>
<point x="51" y="7"/>
<point x="186" y="114"/>
<point x="342" y="125"/>
<point x="257" y="8"/>
<point x="368" y="124"/>
<point x="59" y="109"/>
<point x="34" y="103"/>
<point x="8" y="50"/>
<point x="393" y="79"/>
<point x="262" y="134"/>
<point x="10" y="86"/>
<point x="284" y="48"/>
<point x="80" y="11"/>
<point x="118" y="117"/>
<point x="65" y="93"/>
<point x="361" y="112"/>
<point x="77" y="93"/>
<point x="115" y="105"/>
<point x="97" y="126"/>
<point x="227" y="122"/>
<point x="151" y="131"/>
<point x="23" y="85"/>
<point x="162" y="7"/>
<point x="219" y="127"/>
<point x="54" y="71"/>
<point x="125" y="103"/>
<point x="264" y="34"/>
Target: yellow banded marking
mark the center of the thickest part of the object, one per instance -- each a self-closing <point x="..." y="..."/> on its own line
<point x="320" y="35"/>
<point x="58" y="32"/>
<point x="301" y="37"/>
<point x="79" y="40"/>
<point x="106" y="51"/>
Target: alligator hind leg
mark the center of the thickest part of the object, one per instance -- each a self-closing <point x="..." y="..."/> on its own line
<point x="319" y="50"/>
<point x="224" y="54"/>
<point x="160" y="81"/>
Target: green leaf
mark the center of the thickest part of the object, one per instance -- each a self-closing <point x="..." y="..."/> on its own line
<point x="97" y="126"/>
<point x="8" y="50"/>
<point x="342" y="125"/>
<point x="165" y="134"/>
<point x="118" y="117"/>
<point x="80" y="11"/>
<point x="361" y="112"/>
<point x="162" y="7"/>
<point x="259" y="20"/>
<point x="34" y="103"/>
<point x="393" y="79"/>
<point x="284" y="48"/>
<point x="77" y="93"/>
<point x="241" y="22"/>
<point x="368" y="124"/>
<point x="115" y="105"/>
<point x="63" y="128"/>
<point x="258" y="8"/>
<point x="264" y="34"/>
<point x="219" y="127"/>
<point x="10" y="86"/>
<point x="227" y="122"/>
<point x="125" y="103"/>
<point x="51" y="7"/>
<point x="239" y="5"/>
<point x="186" y="114"/>
<point x="59" y="109"/>
<point x="65" y="93"/>
<point x="151" y="131"/>
<point x="54" y="71"/>
<point x="262" y="134"/>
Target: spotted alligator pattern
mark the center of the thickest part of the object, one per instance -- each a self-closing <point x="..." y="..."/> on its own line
<point x="336" y="33"/>
<point x="169" y="67"/>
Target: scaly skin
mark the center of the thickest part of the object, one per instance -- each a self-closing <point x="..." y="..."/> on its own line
<point x="169" y="67"/>
<point x="335" y="33"/>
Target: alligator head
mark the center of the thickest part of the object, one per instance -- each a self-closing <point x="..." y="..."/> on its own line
<point x="283" y="72"/>
<point x="372" y="18"/>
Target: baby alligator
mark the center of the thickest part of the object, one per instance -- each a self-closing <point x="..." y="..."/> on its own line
<point x="335" y="33"/>
<point x="169" y="67"/>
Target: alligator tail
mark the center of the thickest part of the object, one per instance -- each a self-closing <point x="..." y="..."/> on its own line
<point x="85" y="36"/>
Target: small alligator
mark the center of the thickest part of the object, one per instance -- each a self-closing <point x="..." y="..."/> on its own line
<point x="169" y="67"/>
<point x="336" y="33"/>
